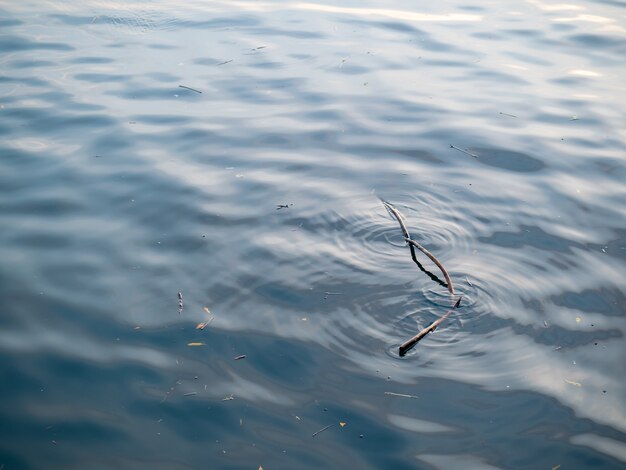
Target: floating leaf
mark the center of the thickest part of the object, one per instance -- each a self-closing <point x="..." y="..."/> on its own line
<point x="206" y="309"/>
<point x="195" y="344"/>
<point x="260" y="468"/>
<point x="578" y="319"/>
<point x="556" y="467"/>
<point x="342" y="424"/>
<point x="571" y="382"/>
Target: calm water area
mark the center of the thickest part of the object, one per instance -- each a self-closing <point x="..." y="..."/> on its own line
<point x="196" y="270"/>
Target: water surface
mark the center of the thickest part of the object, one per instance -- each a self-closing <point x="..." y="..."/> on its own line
<point x="235" y="152"/>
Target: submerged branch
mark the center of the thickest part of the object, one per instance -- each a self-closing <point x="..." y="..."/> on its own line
<point x="434" y="260"/>
<point x="407" y="345"/>
<point x="400" y="218"/>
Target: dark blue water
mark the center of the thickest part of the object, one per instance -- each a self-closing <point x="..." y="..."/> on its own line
<point x="120" y="188"/>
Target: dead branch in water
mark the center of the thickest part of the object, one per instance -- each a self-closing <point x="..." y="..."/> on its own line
<point x="400" y="218"/>
<point x="434" y="260"/>
<point x="407" y="345"/>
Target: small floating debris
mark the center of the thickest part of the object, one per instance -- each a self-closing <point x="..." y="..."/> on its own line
<point x="464" y="151"/>
<point x="189" y="88"/>
<point x="469" y="283"/>
<point x="190" y="394"/>
<point x="225" y="62"/>
<point x="282" y="206"/>
<point x="203" y="325"/>
<point x="206" y="309"/>
<point x="323" y="429"/>
<point x="195" y="344"/>
<point x="239" y="358"/>
<point x="401" y="395"/>
<point x="571" y="382"/>
<point x="228" y="397"/>
<point x="342" y="424"/>
<point x="509" y="115"/>
<point x="180" y="302"/>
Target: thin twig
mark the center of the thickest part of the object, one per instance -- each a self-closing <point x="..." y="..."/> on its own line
<point x="434" y="260"/>
<point x="401" y="395"/>
<point x="464" y="151"/>
<point x="322" y="430"/>
<point x="407" y="345"/>
<point x="507" y="114"/>
<point x="189" y="88"/>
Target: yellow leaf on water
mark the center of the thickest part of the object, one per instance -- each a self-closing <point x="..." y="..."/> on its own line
<point x="571" y="382"/>
<point x="556" y="467"/>
<point x="200" y="326"/>
<point x="206" y="309"/>
<point x="195" y="344"/>
<point x="260" y="468"/>
<point x="342" y="424"/>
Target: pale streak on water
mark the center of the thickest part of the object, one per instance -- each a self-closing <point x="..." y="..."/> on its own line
<point x="119" y="188"/>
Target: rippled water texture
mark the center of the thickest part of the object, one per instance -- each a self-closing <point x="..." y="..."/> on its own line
<point x="235" y="152"/>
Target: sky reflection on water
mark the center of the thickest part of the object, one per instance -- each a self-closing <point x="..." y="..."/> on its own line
<point x="235" y="152"/>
